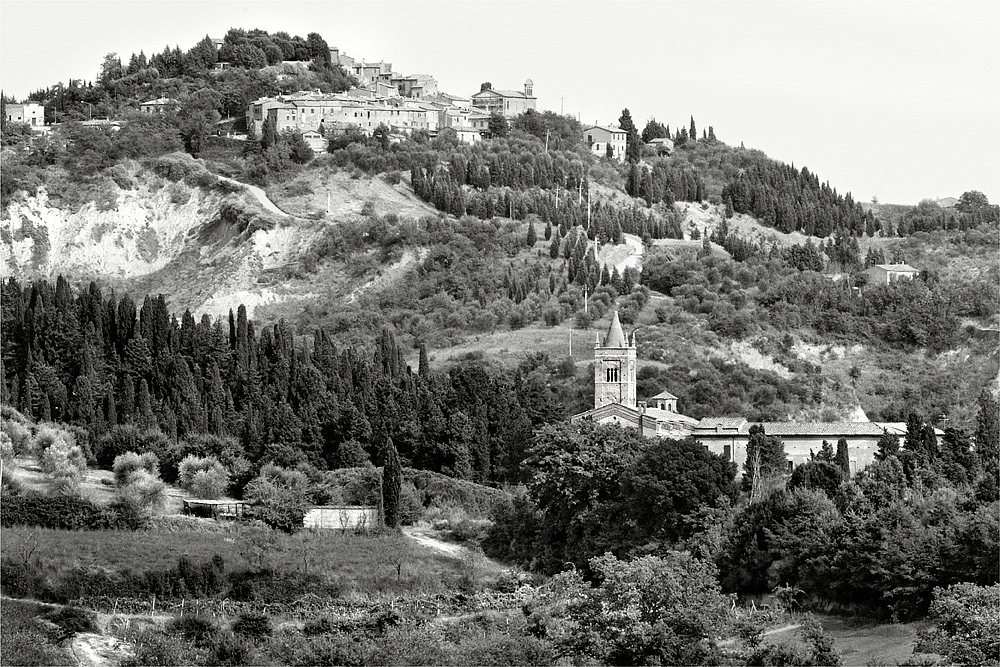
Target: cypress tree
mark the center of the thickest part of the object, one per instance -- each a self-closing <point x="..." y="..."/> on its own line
<point x="423" y="364"/>
<point x="693" y="132"/>
<point x="548" y="230"/>
<point x="392" y="478"/>
<point x="532" y="238"/>
<point x="844" y="458"/>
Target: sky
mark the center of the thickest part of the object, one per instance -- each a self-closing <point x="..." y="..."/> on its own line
<point x="894" y="100"/>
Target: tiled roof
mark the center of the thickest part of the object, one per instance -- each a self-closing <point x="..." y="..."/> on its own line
<point x="729" y="423"/>
<point x="612" y="130"/>
<point x="831" y="429"/>
<point x="664" y="394"/>
<point x="668" y="416"/>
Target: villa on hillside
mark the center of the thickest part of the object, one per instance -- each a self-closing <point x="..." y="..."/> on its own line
<point x="30" y="114"/>
<point x="599" y="138"/>
<point x="615" y="402"/>
<point x="506" y="102"/>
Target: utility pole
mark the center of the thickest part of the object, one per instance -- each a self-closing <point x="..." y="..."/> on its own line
<point x="546" y="141"/>
<point x="585" y="298"/>
<point x="562" y="100"/>
<point x="571" y="340"/>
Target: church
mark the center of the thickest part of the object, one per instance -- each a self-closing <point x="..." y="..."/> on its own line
<point x="614" y="391"/>
<point x="615" y="402"/>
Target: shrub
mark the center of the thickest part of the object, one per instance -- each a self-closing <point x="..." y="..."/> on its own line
<point x="197" y="629"/>
<point x="158" y="650"/>
<point x="279" y="498"/>
<point x="66" y="513"/>
<point x="254" y="626"/>
<point x="6" y="448"/>
<point x="204" y="477"/>
<point x="71" y="620"/>
<point x="129" y="463"/>
<point x="19" y="434"/>
<point x="232" y="650"/>
<point x="130" y="438"/>
<point x="61" y="458"/>
<point x="139" y="486"/>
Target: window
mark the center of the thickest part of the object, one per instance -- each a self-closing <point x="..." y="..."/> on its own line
<point x="727" y="452"/>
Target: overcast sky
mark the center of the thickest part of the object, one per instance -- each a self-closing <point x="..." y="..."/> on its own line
<point x="897" y="100"/>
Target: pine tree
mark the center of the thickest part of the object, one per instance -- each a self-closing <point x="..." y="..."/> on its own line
<point x="392" y="479"/>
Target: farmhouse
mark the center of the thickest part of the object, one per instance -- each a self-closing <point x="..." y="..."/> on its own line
<point x="883" y="274"/>
<point x="662" y="145"/>
<point x="30" y="114"/>
<point x="159" y="105"/>
<point x="599" y="138"/>
<point x="615" y="402"/>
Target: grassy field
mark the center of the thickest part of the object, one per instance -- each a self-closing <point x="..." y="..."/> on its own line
<point x="862" y="642"/>
<point x="363" y="564"/>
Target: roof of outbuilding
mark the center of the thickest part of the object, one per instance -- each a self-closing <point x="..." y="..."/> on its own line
<point x="663" y="394"/>
<point x="729" y="423"/>
<point x="898" y="267"/>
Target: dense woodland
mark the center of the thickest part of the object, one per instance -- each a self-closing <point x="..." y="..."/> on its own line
<point x="104" y="364"/>
<point x="925" y="515"/>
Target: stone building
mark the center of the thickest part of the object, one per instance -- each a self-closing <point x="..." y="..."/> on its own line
<point x="615" y="402"/>
<point x="598" y="138"/>
<point x="506" y="102"/>
<point x="615" y="391"/>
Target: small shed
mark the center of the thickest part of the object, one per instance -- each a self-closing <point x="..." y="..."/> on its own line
<point x="346" y="517"/>
<point x="215" y="509"/>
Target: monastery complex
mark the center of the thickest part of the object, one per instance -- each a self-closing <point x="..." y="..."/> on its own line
<point x="615" y="402"/>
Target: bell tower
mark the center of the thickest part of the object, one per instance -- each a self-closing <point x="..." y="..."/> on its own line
<point x="614" y="368"/>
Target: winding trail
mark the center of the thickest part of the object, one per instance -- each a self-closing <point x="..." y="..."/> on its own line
<point x="628" y="254"/>
<point x="421" y="537"/>
<point x="259" y="195"/>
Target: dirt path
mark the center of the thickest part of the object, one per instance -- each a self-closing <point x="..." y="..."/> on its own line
<point x="775" y="631"/>
<point x="421" y="537"/>
<point x="259" y="195"/>
<point x="93" y="650"/>
<point x="628" y="254"/>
